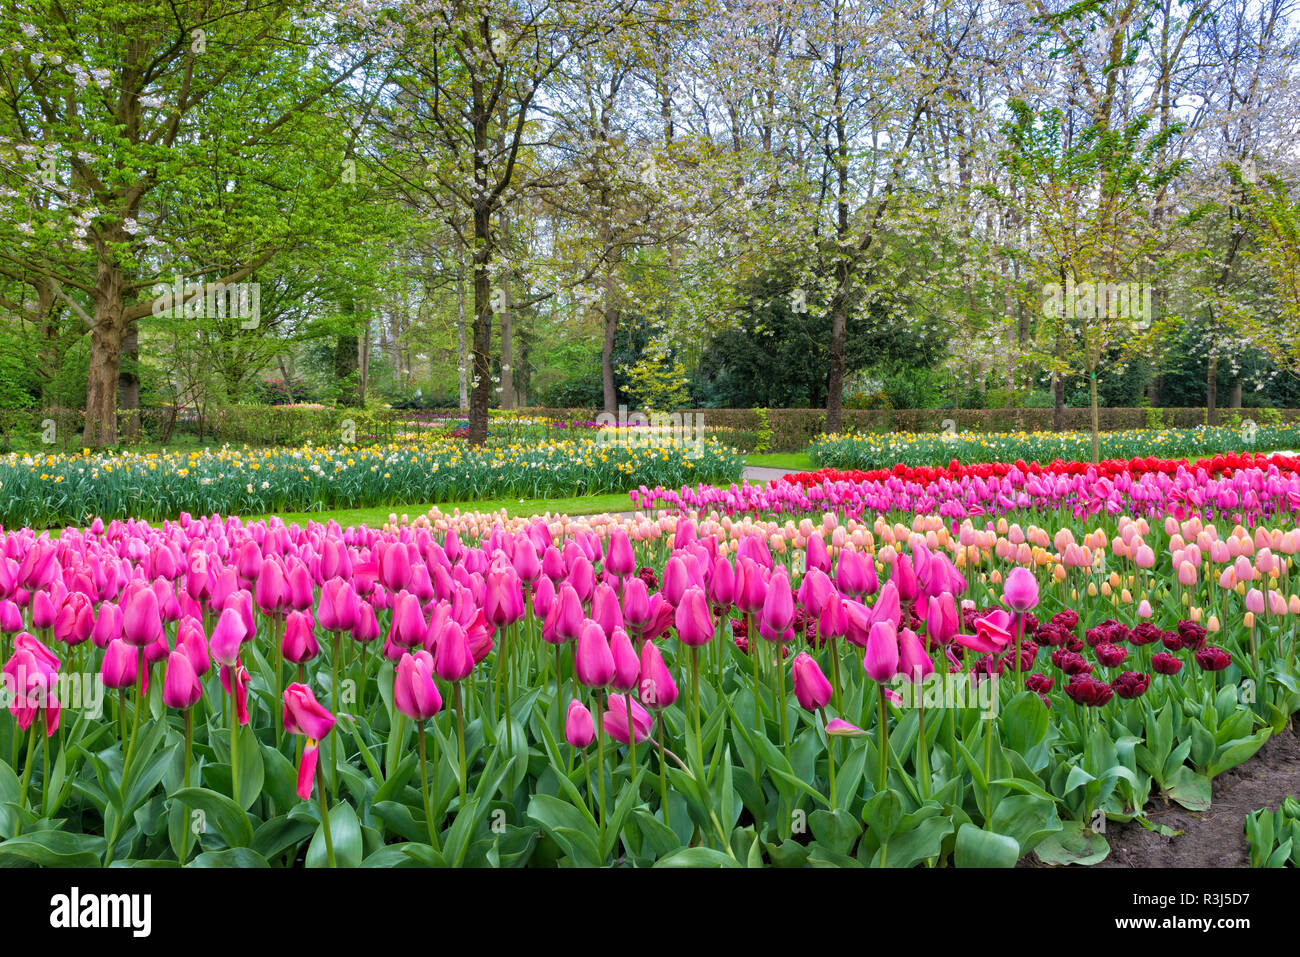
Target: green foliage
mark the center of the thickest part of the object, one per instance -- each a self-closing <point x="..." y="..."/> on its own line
<point x="874" y="451"/>
<point x="764" y="442"/>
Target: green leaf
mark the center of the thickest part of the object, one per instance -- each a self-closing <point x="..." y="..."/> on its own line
<point x="231" y="821"/>
<point x="883" y="813"/>
<point x="277" y="835"/>
<point x="49" y="848"/>
<point x="697" y="857"/>
<point x="1027" y="818"/>
<point x="238" y="857"/>
<point x="1075" y="843"/>
<point x="345" y="835"/>
<point x="573" y="831"/>
<point x="1235" y="752"/>
<point x="980" y="848"/>
<point x="1189" y="789"/>
<point x="1025" y="721"/>
<point x="279" y="778"/>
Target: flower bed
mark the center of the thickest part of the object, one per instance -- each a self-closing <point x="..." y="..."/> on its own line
<point x="875" y="451"/>
<point x="51" y="490"/>
<point x="680" y="690"/>
<point x="1245" y="494"/>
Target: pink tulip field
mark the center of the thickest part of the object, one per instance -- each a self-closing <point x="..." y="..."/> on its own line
<point x="904" y="672"/>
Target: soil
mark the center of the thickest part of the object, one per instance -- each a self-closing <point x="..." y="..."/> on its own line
<point x="1213" y="838"/>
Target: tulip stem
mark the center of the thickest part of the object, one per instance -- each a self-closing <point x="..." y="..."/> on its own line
<point x="830" y="757"/>
<point x="631" y="736"/>
<point x="779" y="674"/>
<point x="424" y="791"/>
<point x="234" y="748"/>
<point x="923" y="757"/>
<point x="663" y="772"/>
<point x="139" y="705"/>
<point x="753" y="654"/>
<point x="988" y="767"/>
<point x="277" y="650"/>
<point x="325" y="826"/>
<point x="460" y="741"/>
<point x="189" y="748"/>
<point x="27" y="776"/>
<point x="695" y="697"/>
<point x="600" y="760"/>
<point x="882" y="776"/>
<point x="586" y="774"/>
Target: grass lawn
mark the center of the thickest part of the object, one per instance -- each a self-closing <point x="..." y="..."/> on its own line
<point x="377" y="515"/>
<point x="791" y="461"/>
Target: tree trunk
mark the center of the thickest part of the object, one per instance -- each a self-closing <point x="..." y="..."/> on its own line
<point x="1058" y="402"/>
<point x="128" y="383"/>
<point x="105" y="359"/>
<point x="607" y="355"/>
<point x="1234" y="401"/>
<point x="1212" y="391"/>
<point x="835" y="384"/>
<point x="1093" y="390"/>
<point x="345" y="362"/>
<point x="508" y="400"/>
<point x="461" y="368"/>
<point x="481" y="396"/>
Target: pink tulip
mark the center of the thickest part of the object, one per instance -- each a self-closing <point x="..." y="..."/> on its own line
<point x="1020" y="590"/>
<point x="615" y="720"/>
<point x="414" y="692"/>
<point x="299" y="644"/>
<point x="636" y="603"/>
<point x="304" y="715"/>
<point x="881" y="657"/>
<point x="227" y="638"/>
<point x="627" y="667"/>
<point x="141" y="621"/>
<point x="118" y="669"/>
<point x="657" y="690"/>
<point x="593" y="660"/>
<point x="605" y="609"/>
<point x="810" y="685"/>
<point x="694" y="623"/>
<point x="569" y="615"/>
<point x="181" y="686"/>
<point x="620" y="559"/>
<point x="579" y="727"/>
<point x="778" y="608"/>
<point x="913" y="663"/>
<point x="504" y="603"/>
<point x="941" y="618"/>
<point x="453" y="660"/>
